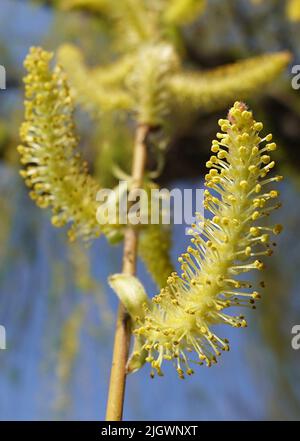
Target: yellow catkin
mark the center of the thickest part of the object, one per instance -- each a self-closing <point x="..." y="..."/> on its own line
<point x="90" y="88"/>
<point x="54" y="171"/>
<point x="183" y="11"/>
<point x="154" y="250"/>
<point x="108" y="75"/>
<point x="148" y="83"/>
<point x="293" y="10"/>
<point x="136" y="22"/>
<point x="218" y="87"/>
<point x="178" y="325"/>
<point x="136" y="82"/>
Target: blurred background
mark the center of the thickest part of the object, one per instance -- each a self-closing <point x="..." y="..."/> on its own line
<point x="54" y="300"/>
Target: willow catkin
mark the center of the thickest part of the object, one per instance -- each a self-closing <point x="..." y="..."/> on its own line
<point x="213" y="89"/>
<point x="180" y="324"/>
<point x="54" y="171"/>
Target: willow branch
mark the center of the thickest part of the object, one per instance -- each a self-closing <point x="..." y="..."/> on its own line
<point x="116" y="391"/>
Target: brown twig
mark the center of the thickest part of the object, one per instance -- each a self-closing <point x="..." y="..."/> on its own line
<point x="114" y="410"/>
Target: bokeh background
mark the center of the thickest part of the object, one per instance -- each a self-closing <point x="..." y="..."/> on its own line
<point x="54" y="300"/>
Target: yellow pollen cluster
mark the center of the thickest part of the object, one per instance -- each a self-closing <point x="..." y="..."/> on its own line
<point x="53" y="170"/>
<point x="179" y="324"/>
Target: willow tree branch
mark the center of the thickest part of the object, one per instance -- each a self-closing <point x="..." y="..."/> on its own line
<point x="114" y="410"/>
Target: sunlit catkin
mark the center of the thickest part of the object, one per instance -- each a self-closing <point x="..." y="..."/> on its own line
<point x="53" y="170"/>
<point x="180" y="324"/>
<point x="293" y="10"/>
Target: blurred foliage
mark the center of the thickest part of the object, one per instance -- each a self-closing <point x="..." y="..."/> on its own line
<point x="68" y="350"/>
<point x="154" y="248"/>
